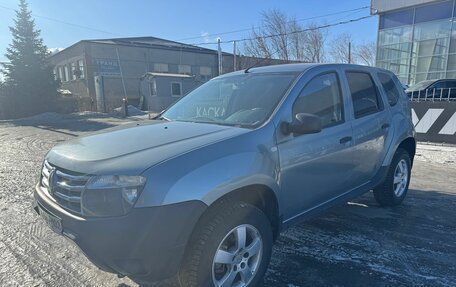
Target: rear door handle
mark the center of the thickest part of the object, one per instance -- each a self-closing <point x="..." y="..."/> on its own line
<point x="345" y="140"/>
<point x="385" y="126"/>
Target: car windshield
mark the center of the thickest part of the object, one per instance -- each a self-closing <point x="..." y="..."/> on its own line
<point x="241" y="100"/>
<point x="421" y="85"/>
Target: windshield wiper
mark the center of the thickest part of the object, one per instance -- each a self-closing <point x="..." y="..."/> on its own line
<point x="162" y="119"/>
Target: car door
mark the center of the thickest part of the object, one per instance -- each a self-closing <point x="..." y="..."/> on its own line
<point x="314" y="168"/>
<point x="371" y="125"/>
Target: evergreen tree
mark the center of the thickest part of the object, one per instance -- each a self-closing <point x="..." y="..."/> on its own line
<point x="28" y="76"/>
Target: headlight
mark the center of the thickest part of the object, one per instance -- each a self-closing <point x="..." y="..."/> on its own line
<point x="112" y="195"/>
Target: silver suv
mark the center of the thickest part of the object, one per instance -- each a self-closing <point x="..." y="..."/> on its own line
<point x="203" y="191"/>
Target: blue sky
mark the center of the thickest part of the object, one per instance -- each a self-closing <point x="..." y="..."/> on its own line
<point x="175" y="20"/>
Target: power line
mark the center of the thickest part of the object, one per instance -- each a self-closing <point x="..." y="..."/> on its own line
<point x="299" y="20"/>
<point x="288" y="33"/>
<point x="67" y="23"/>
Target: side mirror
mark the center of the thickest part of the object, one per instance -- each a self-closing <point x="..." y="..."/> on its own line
<point x="303" y="124"/>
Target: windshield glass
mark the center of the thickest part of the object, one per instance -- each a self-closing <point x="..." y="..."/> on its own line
<point x="421" y="85"/>
<point x="242" y="100"/>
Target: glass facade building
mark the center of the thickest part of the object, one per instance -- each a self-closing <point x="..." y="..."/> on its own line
<point x="419" y="43"/>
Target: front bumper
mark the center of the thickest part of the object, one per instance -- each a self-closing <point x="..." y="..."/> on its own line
<point x="146" y="244"/>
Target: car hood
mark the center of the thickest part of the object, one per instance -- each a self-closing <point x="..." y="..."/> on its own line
<point x="132" y="148"/>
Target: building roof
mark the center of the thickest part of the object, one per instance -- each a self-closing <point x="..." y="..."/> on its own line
<point x="382" y="6"/>
<point x="147" y="42"/>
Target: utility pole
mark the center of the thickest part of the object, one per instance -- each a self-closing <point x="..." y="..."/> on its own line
<point x="219" y="57"/>
<point x="349" y="52"/>
<point x="234" y="56"/>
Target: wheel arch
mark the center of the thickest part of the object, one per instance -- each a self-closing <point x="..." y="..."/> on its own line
<point x="259" y="195"/>
<point x="409" y="145"/>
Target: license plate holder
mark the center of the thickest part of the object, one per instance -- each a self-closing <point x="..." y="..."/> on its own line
<point x="51" y="220"/>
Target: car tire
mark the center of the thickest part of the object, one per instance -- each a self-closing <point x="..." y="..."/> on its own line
<point x="394" y="189"/>
<point x="218" y="237"/>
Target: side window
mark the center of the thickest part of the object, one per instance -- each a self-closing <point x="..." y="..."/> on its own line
<point x="364" y="94"/>
<point x="321" y="97"/>
<point x="389" y="87"/>
<point x="450" y="84"/>
<point x="438" y="85"/>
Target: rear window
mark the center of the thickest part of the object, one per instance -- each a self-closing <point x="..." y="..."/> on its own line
<point x="364" y="94"/>
<point x="390" y="88"/>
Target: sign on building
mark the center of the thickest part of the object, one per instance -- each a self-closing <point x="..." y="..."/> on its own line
<point x="107" y="67"/>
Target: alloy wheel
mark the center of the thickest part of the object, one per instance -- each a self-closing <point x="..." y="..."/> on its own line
<point x="238" y="257"/>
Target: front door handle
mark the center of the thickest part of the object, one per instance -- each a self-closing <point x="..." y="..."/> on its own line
<point x="345" y="140"/>
<point x="385" y="126"/>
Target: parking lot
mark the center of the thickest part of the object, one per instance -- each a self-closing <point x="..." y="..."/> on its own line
<point x="357" y="244"/>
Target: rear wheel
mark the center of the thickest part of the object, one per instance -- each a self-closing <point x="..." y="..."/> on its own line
<point x="231" y="246"/>
<point x="394" y="189"/>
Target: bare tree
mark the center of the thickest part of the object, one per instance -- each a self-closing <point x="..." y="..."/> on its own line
<point x="296" y="41"/>
<point x="284" y="38"/>
<point x="257" y="46"/>
<point x="339" y="49"/>
<point x="365" y="53"/>
<point x="314" y="44"/>
<point x="261" y="44"/>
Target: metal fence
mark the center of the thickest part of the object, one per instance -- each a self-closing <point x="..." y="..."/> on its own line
<point x="433" y="95"/>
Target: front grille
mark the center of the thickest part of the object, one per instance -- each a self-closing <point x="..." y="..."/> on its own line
<point x="63" y="186"/>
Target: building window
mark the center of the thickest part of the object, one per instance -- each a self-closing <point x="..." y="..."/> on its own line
<point x="60" y="73"/>
<point x="395" y="36"/>
<point x="396" y="19"/>
<point x="434" y="12"/>
<point x="185" y="69"/>
<point x="73" y="71"/>
<point x="160" y="68"/>
<point x="431" y="38"/>
<point x="176" y="89"/>
<point x="55" y="73"/>
<point x="419" y="77"/>
<point x="397" y="66"/>
<point x="395" y="51"/>
<point x="153" y="88"/>
<point x="66" y="74"/>
<point x="81" y="69"/>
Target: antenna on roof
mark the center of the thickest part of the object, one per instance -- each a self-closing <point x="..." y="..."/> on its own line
<point x="255" y="65"/>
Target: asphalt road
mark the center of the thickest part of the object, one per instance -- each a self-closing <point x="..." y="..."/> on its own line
<point x="357" y="244"/>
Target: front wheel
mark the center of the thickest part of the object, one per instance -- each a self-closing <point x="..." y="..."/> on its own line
<point x="231" y="246"/>
<point x="394" y="189"/>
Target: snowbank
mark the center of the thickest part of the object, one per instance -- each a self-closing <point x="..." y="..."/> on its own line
<point x="132" y="111"/>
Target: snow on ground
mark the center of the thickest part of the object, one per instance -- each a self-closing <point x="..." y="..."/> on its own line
<point x="436" y="153"/>
<point x="132" y="111"/>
